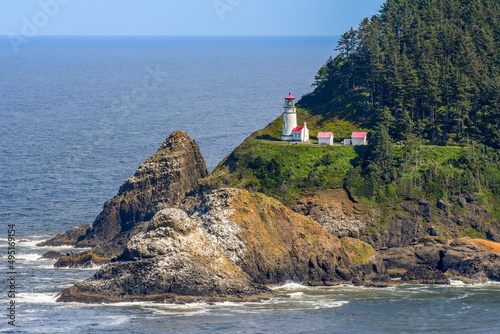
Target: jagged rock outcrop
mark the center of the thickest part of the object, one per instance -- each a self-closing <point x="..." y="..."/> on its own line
<point x="465" y="259"/>
<point x="162" y="181"/>
<point x="414" y="241"/>
<point x="174" y="256"/>
<point x="80" y="260"/>
<point x="53" y="255"/>
<point x="70" y="237"/>
<point x="230" y="244"/>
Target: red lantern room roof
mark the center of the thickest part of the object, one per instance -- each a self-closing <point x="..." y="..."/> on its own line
<point x="290" y="96"/>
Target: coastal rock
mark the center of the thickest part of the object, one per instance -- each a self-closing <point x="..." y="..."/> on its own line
<point x="53" y="255"/>
<point x="175" y="257"/>
<point x="69" y="238"/>
<point x="424" y="275"/>
<point x="163" y="180"/>
<point x="270" y="242"/>
<point x="334" y="211"/>
<point x="470" y="260"/>
<point x="80" y="260"/>
<point x="230" y="244"/>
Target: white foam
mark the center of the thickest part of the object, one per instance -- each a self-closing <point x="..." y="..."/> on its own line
<point x="489" y="283"/>
<point x="30" y="257"/>
<point x="46" y="265"/>
<point x="115" y="320"/>
<point x="157" y="307"/>
<point x="290" y="287"/>
<point x="37" y="298"/>
<point x="92" y="267"/>
<point x="300" y="303"/>
<point x="183" y="310"/>
<point x="295" y="294"/>
<point x="230" y="304"/>
<point x="330" y="304"/>
<point x="188" y="306"/>
<point x="456" y="283"/>
<point x="481" y="285"/>
<point x="61" y="248"/>
<point x="30" y="243"/>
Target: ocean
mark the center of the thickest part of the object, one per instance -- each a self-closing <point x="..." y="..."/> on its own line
<point x="79" y="114"/>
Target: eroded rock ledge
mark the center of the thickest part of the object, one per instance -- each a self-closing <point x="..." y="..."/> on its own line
<point x="469" y="260"/>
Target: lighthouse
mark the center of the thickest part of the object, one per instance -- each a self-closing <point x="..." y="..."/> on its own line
<point x="289" y="118"/>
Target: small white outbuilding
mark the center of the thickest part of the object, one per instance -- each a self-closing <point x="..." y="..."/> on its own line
<point x="325" y="138"/>
<point x="357" y="138"/>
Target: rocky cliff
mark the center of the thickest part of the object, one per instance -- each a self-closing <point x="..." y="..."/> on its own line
<point x="273" y="244"/>
<point x="173" y="240"/>
<point x="402" y="225"/>
<point x="162" y="181"/>
<point x="230" y="244"/>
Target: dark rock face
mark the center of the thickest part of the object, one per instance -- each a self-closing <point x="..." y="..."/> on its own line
<point x="71" y="237"/>
<point x="457" y="259"/>
<point x="335" y="211"/>
<point x="424" y="275"/>
<point x="53" y="255"/>
<point x="162" y="181"/>
<point x="467" y="260"/>
<point x="80" y="260"/>
<point x="445" y="219"/>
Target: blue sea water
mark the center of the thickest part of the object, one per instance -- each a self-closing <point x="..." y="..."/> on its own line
<point x="79" y="114"/>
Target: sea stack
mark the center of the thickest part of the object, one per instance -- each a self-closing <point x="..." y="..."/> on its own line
<point x="162" y="181"/>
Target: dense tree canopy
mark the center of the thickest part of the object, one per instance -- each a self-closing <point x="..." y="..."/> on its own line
<point x="433" y="64"/>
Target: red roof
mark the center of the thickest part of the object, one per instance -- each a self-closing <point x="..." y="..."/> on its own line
<point x="358" y="135"/>
<point x="298" y="128"/>
<point x="290" y="96"/>
<point x="325" y="134"/>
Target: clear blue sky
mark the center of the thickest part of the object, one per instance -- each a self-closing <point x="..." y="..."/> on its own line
<point x="183" y="17"/>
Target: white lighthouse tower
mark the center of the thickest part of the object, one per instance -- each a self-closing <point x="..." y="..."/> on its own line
<point x="289" y="118"/>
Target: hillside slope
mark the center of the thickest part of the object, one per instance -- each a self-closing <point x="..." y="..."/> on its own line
<point x="423" y="77"/>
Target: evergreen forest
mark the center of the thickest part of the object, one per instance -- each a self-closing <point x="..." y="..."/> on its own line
<point x="426" y="68"/>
